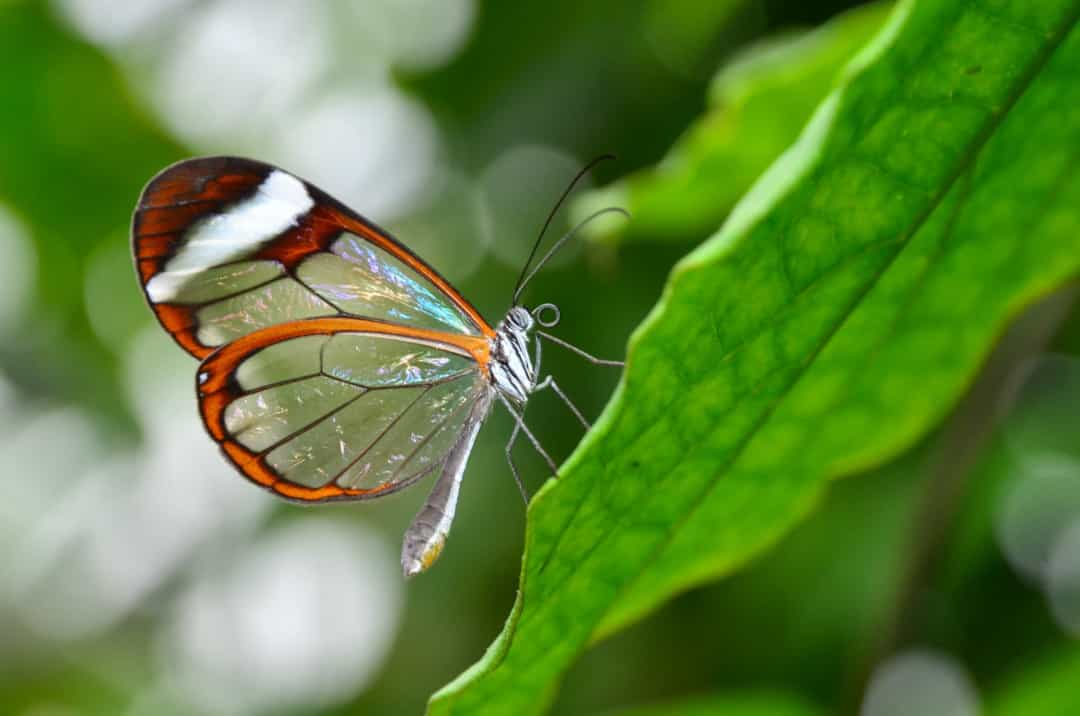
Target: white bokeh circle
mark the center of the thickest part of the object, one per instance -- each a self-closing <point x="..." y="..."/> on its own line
<point x="1035" y="508"/>
<point x="303" y="617"/>
<point x="117" y="23"/>
<point x="436" y="29"/>
<point x="106" y="529"/>
<point x="1063" y="579"/>
<point x="920" y="681"/>
<point x="518" y="190"/>
<point x="235" y="66"/>
<point x="447" y="228"/>
<point x="373" y="149"/>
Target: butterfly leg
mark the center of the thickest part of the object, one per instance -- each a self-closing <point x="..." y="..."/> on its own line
<point x="513" y="466"/>
<point x="549" y="382"/>
<point x="520" y="423"/>
<point x="587" y="356"/>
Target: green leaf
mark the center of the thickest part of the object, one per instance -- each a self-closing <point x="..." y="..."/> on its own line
<point x="1049" y="688"/>
<point x="684" y="33"/>
<point x="758" y="104"/>
<point x="749" y="704"/>
<point x="841" y="310"/>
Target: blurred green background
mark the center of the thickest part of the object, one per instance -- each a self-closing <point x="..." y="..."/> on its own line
<point x="138" y="575"/>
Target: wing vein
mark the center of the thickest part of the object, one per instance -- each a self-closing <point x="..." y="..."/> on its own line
<point x="424" y="383"/>
<point x="292" y="274"/>
<point x="235" y="294"/>
<point x="308" y="426"/>
<point x="278" y="384"/>
<point x="379" y="437"/>
<point x="468" y="403"/>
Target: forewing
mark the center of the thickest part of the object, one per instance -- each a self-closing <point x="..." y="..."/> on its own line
<point x="227" y="246"/>
<point x="332" y="411"/>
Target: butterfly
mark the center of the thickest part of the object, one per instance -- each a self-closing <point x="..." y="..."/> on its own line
<point x="336" y="364"/>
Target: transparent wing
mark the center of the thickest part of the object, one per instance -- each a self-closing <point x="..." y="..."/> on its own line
<point x="226" y="246"/>
<point x="339" y="408"/>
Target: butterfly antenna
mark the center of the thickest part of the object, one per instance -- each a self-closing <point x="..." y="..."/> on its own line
<point x="522" y="278"/>
<point x="566" y="237"/>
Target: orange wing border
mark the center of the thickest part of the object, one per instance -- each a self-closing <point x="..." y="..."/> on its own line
<point x="217" y="388"/>
<point x="194" y="189"/>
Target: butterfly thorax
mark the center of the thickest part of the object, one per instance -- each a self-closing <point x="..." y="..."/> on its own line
<point x="511" y="370"/>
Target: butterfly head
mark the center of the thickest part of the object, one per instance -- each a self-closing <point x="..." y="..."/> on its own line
<point x="519" y="319"/>
<point x="512" y="371"/>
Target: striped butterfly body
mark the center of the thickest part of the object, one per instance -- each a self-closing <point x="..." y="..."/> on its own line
<point x="336" y="364"/>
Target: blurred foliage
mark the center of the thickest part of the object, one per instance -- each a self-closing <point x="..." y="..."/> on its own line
<point x="961" y="120"/>
<point x="1047" y="686"/>
<point x="757" y="105"/>
<point x="76" y="150"/>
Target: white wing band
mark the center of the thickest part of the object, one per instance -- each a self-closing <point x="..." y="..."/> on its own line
<point x="276" y="205"/>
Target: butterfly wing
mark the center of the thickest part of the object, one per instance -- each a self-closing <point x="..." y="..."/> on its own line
<point x="337" y="364"/>
<point x="226" y="246"/>
<point x="341" y="408"/>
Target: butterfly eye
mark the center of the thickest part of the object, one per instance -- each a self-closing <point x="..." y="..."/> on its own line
<point x="552" y="315"/>
<point x="518" y="319"/>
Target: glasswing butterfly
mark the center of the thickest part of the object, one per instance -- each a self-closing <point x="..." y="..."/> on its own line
<point x="336" y="364"/>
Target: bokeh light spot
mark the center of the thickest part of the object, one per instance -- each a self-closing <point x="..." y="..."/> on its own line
<point x="1042" y="496"/>
<point x="236" y="65"/>
<point x="447" y="230"/>
<point x="437" y="29"/>
<point x="1063" y="579"/>
<point x="113" y="23"/>
<point x="920" y="682"/>
<point x="372" y="149"/>
<point x="304" y="617"/>
<point x="519" y="188"/>
<point x="1035" y="510"/>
